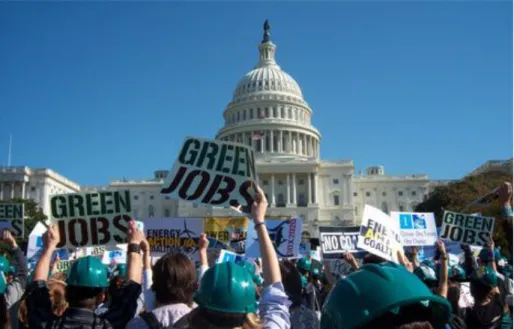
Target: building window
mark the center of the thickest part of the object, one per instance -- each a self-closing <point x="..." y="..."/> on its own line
<point x="300" y="182"/>
<point x="336" y="200"/>
<point x="280" y="182"/>
<point x="151" y="197"/>
<point x="335" y="181"/>
<point x="400" y="193"/>
<point x="280" y="198"/>
<point x="264" y="182"/>
<point x="167" y="212"/>
<point x="251" y="113"/>
<point x="306" y="236"/>
<point x="401" y="208"/>
<point x="136" y="197"/>
<point x="151" y="211"/>
<point x="368" y="194"/>
<point x="33" y="189"/>
<point x="384" y="193"/>
<point x="354" y="193"/>
<point x="384" y="207"/>
<point x="413" y="193"/>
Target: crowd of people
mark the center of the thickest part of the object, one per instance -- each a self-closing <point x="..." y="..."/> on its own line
<point x="268" y="293"/>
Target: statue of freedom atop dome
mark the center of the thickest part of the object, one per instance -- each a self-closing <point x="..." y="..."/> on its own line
<point x="266" y="32"/>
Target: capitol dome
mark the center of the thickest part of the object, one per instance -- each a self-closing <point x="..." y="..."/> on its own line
<point x="268" y="111"/>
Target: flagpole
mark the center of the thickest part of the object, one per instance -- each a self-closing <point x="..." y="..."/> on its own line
<point x="9" y="154"/>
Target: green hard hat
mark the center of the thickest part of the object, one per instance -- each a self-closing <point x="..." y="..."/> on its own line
<point x="11" y="270"/>
<point x="485" y="275"/>
<point x="425" y="273"/>
<point x="88" y="272"/>
<point x="121" y="270"/>
<point x="4" y="264"/>
<point x="484" y="256"/>
<point x="376" y="289"/>
<point x="456" y="273"/>
<point x="248" y="266"/>
<point x="3" y="283"/>
<point x="258" y="280"/>
<point x="304" y="281"/>
<point x="229" y="288"/>
<point x="304" y="264"/>
<point x="315" y="272"/>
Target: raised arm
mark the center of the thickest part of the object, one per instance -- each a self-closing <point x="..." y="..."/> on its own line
<point x="442" y="289"/>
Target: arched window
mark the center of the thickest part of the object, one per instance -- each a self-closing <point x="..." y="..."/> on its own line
<point x="167" y="212"/>
<point x="385" y="209"/>
<point x="151" y="211"/>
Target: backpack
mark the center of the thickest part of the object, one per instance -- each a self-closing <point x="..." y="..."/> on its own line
<point x="151" y="321"/>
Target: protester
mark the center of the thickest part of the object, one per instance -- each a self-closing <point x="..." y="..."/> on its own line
<point x="86" y="283"/>
<point x="226" y="297"/>
<point x="16" y="276"/>
<point x="5" y="321"/>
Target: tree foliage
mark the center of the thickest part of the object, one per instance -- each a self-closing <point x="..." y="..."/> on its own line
<point x="457" y="197"/>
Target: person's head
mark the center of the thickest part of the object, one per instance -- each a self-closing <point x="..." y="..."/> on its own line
<point x="291" y="279"/>
<point x="226" y="299"/>
<point x="372" y="259"/>
<point x="482" y="284"/>
<point x="453" y="296"/>
<point x="174" y="279"/>
<point x="383" y="296"/>
<point x="426" y="274"/>
<point x="304" y="265"/>
<point x="86" y="283"/>
<point x="485" y="256"/>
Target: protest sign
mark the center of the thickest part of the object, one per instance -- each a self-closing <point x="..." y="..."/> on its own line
<point x="228" y="256"/>
<point x="341" y="266"/>
<point x="284" y="234"/>
<point x="115" y="256"/>
<point x="486" y="199"/>
<point x="416" y="229"/>
<point x="211" y="172"/>
<point x="174" y="235"/>
<point x="379" y="234"/>
<point x="229" y="231"/>
<point x="335" y="241"/>
<point x="12" y="216"/>
<point x="467" y="229"/>
<point x="64" y="265"/>
<point x="305" y="248"/>
<point x="91" y="219"/>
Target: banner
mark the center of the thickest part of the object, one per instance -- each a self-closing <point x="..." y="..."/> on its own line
<point x="416" y="229"/>
<point x="212" y="172"/>
<point x="467" y="229"/>
<point x="91" y="219"/>
<point x="174" y="235"/>
<point x="285" y="235"/>
<point x="11" y="217"/>
<point x="336" y="241"/>
<point x="379" y="234"/>
<point x="229" y="232"/>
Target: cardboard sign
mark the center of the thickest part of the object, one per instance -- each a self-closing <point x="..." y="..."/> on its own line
<point x="12" y="216"/>
<point x="174" y="235"/>
<point x="64" y="265"/>
<point x="467" y="229"/>
<point x="341" y="266"/>
<point x="115" y="256"/>
<point x="379" y="234"/>
<point x="228" y="256"/>
<point x="230" y="232"/>
<point x="416" y="229"/>
<point x="91" y="219"/>
<point x="216" y="173"/>
<point x="285" y="235"/>
<point x="336" y="241"/>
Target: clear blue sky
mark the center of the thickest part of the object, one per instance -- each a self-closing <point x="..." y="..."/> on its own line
<point x="98" y="91"/>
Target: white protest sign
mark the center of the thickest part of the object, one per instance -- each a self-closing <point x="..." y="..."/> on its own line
<point x="467" y="229"/>
<point x="228" y="256"/>
<point x="416" y="229"/>
<point x="285" y="235"/>
<point x="174" y="235"/>
<point x="12" y="216"/>
<point x="115" y="256"/>
<point x="212" y="172"/>
<point x="341" y="266"/>
<point x="91" y="219"/>
<point x="379" y="234"/>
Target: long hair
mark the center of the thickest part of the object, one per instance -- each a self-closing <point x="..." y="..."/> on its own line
<point x="5" y="322"/>
<point x="203" y="319"/>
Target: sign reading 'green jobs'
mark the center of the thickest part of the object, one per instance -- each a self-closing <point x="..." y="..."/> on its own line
<point x="12" y="217"/>
<point x="216" y="173"/>
<point x="91" y="219"/>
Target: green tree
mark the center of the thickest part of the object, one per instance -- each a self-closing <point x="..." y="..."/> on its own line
<point x="457" y="197"/>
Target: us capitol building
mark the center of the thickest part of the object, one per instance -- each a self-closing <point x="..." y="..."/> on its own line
<point x="268" y="112"/>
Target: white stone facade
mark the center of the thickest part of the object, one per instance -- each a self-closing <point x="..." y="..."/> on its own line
<point x="37" y="184"/>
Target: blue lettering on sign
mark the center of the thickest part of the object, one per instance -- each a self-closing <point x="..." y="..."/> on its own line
<point x="39" y="242"/>
<point x="406" y="222"/>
